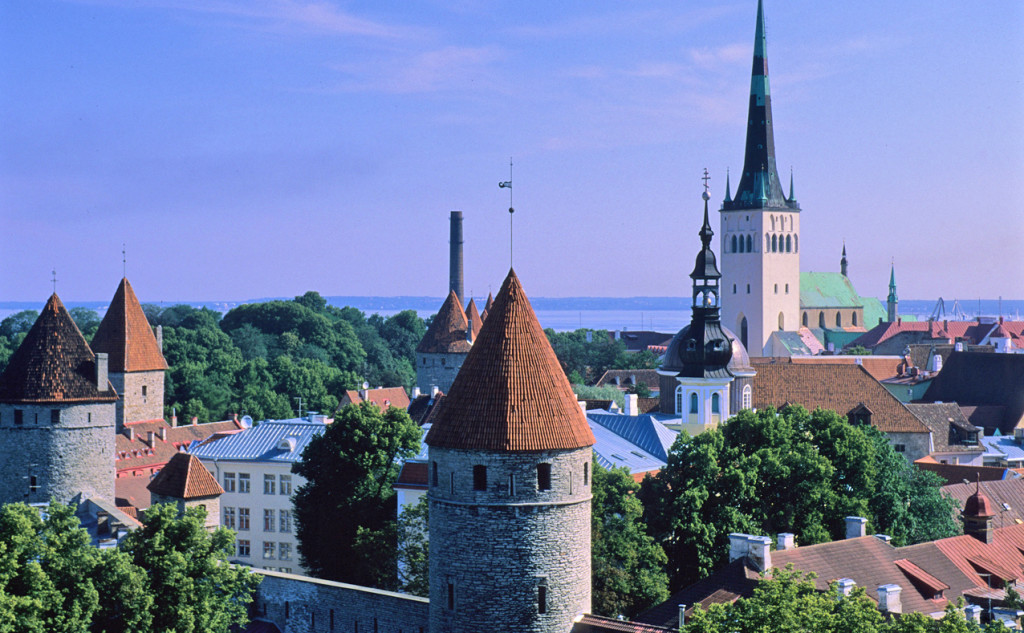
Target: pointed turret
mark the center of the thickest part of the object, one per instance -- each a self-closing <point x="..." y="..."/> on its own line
<point x="892" y="301"/>
<point x="511" y="393"/>
<point x="759" y="185"/>
<point x="126" y="336"/>
<point x="728" y="198"/>
<point x="54" y="364"/>
<point x="487" y="306"/>
<point x="447" y="332"/>
<point x="792" y="190"/>
<point x="474" y="319"/>
<point x="842" y="262"/>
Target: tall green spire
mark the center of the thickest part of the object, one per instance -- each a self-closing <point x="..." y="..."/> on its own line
<point x="892" y="284"/>
<point x="728" y="198"/>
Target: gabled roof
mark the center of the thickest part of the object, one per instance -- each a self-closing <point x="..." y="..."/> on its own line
<point x="879" y="367"/>
<point x="589" y="623"/>
<point x="447" y="332"/>
<point x="53" y="364"/>
<point x="138" y="453"/>
<point x="383" y="397"/>
<point x="948" y="424"/>
<point x="125" y="335"/>
<point x="273" y="441"/>
<point x="841" y="388"/>
<point x="511" y="393"/>
<point x="971" y="378"/>
<point x="185" y="477"/>
<point x="472" y="315"/>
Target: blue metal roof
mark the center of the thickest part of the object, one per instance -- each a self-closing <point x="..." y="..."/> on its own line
<point x="260" y="443"/>
<point x="612" y="451"/>
<point x="645" y="431"/>
<point x="1003" y="446"/>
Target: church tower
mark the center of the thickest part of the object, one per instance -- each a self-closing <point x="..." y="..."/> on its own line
<point x="56" y="415"/>
<point x="137" y="363"/>
<point x="892" y="301"/>
<point x="760" y="227"/>
<point x="509" y="485"/>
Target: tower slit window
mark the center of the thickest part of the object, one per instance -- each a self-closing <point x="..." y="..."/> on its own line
<point x="433" y="473"/>
<point x="586" y="473"/>
<point x="750" y="242"/>
<point x="544" y="476"/>
<point x="480" y="478"/>
<point x="54" y="416"/>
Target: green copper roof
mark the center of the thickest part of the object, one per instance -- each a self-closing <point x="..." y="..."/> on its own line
<point x="873" y="312"/>
<point x="832" y="290"/>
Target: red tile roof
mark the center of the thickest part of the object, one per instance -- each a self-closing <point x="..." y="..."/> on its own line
<point x="383" y="397"/>
<point x="841" y="388"/>
<point x="126" y="336"/>
<point x="957" y="473"/>
<point x="185" y="477"/>
<point x="53" y="363"/>
<point x="447" y="332"/>
<point x="138" y="454"/>
<point x="589" y="623"/>
<point x="413" y="475"/>
<point x="971" y="331"/>
<point x="511" y="393"/>
<point x="879" y="367"/>
<point x="472" y="315"/>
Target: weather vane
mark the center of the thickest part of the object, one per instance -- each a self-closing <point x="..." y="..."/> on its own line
<point x="507" y="184"/>
<point x="54" y="280"/>
<point x="707" y="187"/>
<point x="124" y="261"/>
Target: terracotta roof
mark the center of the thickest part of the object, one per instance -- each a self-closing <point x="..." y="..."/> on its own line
<point x="185" y="477"/>
<point x="957" y="473"/>
<point x="511" y="393"/>
<point x="949" y="331"/>
<point x="53" y="363"/>
<point x="383" y="397"/>
<point x="125" y="335"/>
<point x="841" y="388"/>
<point x="133" y="491"/>
<point x="950" y="427"/>
<point x="879" y="367"/>
<point x="490" y="302"/>
<point x="447" y="332"/>
<point x="589" y="623"/>
<point x="139" y="454"/>
<point x="473" y="315"/>
<point x="413" y="475"/>
<point x="1004" y="493"/>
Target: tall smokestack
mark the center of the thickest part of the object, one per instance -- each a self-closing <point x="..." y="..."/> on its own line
<point x="455" y="257"/>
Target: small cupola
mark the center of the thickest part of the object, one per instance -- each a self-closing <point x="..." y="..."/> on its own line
<point x="978" y="515"/>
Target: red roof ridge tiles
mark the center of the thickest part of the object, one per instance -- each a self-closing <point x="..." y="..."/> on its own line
<point x="185" y="477"/>
<point x="447" y="332"/>
<point x="53" y="363"/>
<point x="126" y="336"/>
<point x="511" y="393"/>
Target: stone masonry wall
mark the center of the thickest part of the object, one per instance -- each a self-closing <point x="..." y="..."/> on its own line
<point x="132" y="406"/>
<point x="298" y="604"/>
<point x="499" y="547"/>
<point x="437" y="369"/>
<point x="916" y="445"/>
<point x="74" y="456"/>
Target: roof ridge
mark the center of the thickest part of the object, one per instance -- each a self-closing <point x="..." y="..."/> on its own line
<point x="126" y="336"/>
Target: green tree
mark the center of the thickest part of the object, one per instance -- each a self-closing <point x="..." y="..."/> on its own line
<point x="627" y="564"/>
<point x="857" y="350"/>
<point x="86" y="319"/>
<point x="346" y="511"/>
<point x="414" y="549"/>
<point x="607" y="392"/>
<point x="187" y="569"/>
<point x="18" y="323"/>
<point x="641" y="390"/>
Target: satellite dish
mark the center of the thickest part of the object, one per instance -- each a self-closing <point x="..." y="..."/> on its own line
<point x="366" y="385"/>
<point x="246" y="421"/>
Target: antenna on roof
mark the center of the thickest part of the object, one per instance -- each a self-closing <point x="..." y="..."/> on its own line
<point x="54" y="280"/>
<point x="299" y="398"/>
<point x="508" y="185"/>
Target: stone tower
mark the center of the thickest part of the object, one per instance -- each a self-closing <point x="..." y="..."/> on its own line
<point x="137" y="363"/>
<point x="892" y="301"/>
<point x="509" y="485"/>
<point x="56" y="415"/>
<point x="706" y="374"/>
<point x="760" y="227"/>
<point x="443" y="348"/>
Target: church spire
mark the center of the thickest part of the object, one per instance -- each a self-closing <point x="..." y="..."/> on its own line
<point x="842" y="262"/>
<point x="759" y="185"/>
<point x="892" y="300"/>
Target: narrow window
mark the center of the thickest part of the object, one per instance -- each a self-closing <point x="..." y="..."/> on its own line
<point x="775" y="243"/>
<point x="734" y="249"/>
<point x="480" y="478"/>
<point x="586" y="473"/>
<point x="748" y="289"/>
<point x="789" y="243"/>
<point x="433" y="479"/>
<point x="375" y="625"/>
<point x="88" y="417"/>
<point x="693" y="403"/>
<point x="451" y="482"/>
<point x="782" y="322"/>
<point x="715" y="403"/>
<point x="19" y="417"/>
<point x="821" y="320"/>
<point x="679" y="400"/>
<point x="750" y="244"/>
<point x="144" y="391"/>
<point x="839" y="319"/>
<point x="805" y="319"/>
<point x="312" y="620"/>
<point x="542" y="599"/>
<point x="332" y="620"/>
<point x="33" y="483"/>
<point x="287" y="608"/>
<point x="570" y="482"/>
<point x="776" y="288"/>
<point x="451" y="597"/>
<point x="543" y="476"/>
<point x="512" y="485"/>
<point x="747" y="396"/>
<point x="268" y="520"/>
<point x="54" y="416"/>
<point x="853" y="318"/>
<point x="787" y="289"/>
<point x="734" y="288"/>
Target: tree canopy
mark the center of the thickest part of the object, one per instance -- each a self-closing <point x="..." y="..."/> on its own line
<point x="170" y="576"/>
<point x="586" y="354"/>
<point x="345" y="512"/>
<point x="786" y="471"/>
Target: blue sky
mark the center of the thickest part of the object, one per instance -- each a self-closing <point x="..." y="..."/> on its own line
<point x="250" y="148"/>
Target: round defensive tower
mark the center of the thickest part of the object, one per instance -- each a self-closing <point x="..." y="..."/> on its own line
<point x="56" y="415"/>
<point x="510" y="458"/>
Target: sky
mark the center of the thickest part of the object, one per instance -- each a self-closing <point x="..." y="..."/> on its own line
<point x="239" y="149"/>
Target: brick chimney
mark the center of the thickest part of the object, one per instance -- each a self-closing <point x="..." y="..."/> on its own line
<point x="855" y="527"/>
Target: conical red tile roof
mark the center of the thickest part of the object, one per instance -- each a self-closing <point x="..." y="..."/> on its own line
<point x="511" y="393"/>
<point x="53" y="363"/>
<point x="185" y="477"/>
<point x="473" y="316"/>
<point x="447" y="332"/>
<point x="487" y="307"/>
<point x="125" y="335"/>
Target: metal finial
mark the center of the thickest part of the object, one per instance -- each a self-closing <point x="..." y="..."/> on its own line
<point x="507" y="184"/>
<point x="54" y="280"/>
<point x="707" y="187"/>
<point x="124" y="261"/>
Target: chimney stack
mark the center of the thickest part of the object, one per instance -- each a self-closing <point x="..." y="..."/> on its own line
<point x="455" y="256"/>
<point x="434" y="391"/>
<point x="130" y="434"/>
<point x="150" y="435"/>
<point x="163" y="433"/>
<point x="844" y="586"/>
<point x="632" y="404"/>
<point x="737" y="546"/>
<point x="102" y="363"/>
<point x="972" y="613"/>
<point x="786" y="541"/>
<point x="415" y="392"/>
<point x="855" y="527"/>
<point x="889" y="599"/>
<point x="760" y="552"/>
<point x="682" y="615"/>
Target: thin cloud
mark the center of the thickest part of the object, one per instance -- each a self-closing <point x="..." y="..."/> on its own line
<point x="447" y="68"/>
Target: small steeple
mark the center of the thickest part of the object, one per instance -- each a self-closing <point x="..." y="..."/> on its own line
<point x="728" y="198"/>
<point x="792" y="195"/>
<point x="842" y="262"/>
<point x="705" y="273"/>
<point x="892" y="300"/>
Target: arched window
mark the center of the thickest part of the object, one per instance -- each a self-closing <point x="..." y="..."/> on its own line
<point x="775" y="243"/>
<point x="796" y="243"/>
<point x="839" y="319"/>
<point x="789" y="244"/>
<point x="750" y="244"/>
<point x="821" y="320"/>
<point x="741" y="243"/>
<point x="743" y="326"/>
<point x="716" y="406"/>
<point x="805" y="319"/>
<point x="679" y="400"/>
<point x="734" y="244"/>
<point x="776" y="288"/>
<point x="767" y="242"/>
<point x="693" y="402"/>
<point x="853" y="318"/>
<point x="782" y="322"/>
<point x="773" y="221"/>
<point x="748" y="398"/>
